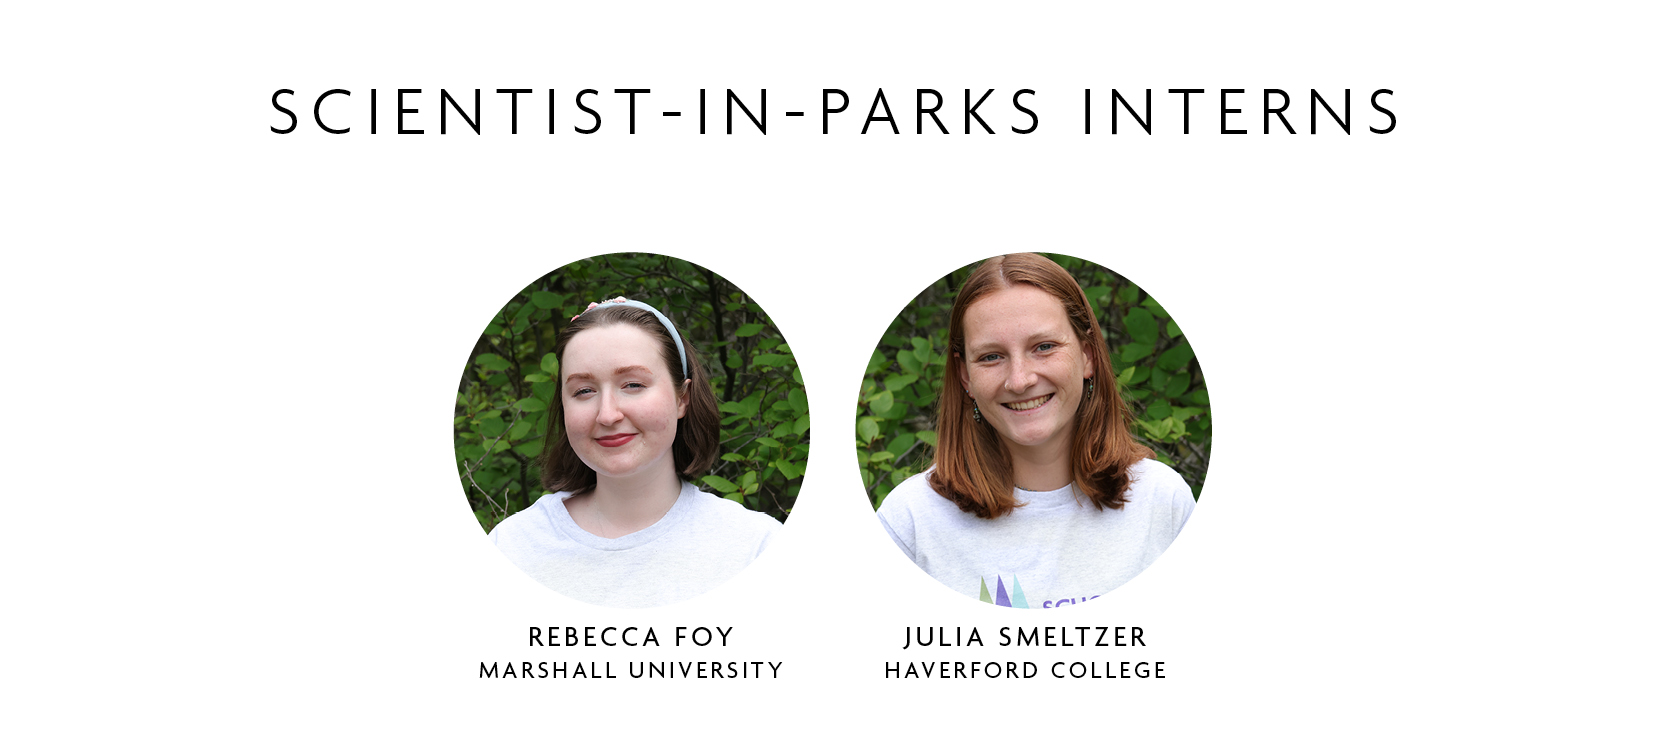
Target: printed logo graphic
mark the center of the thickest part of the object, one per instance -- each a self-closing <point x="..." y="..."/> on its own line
<point x="1002" y="599"/>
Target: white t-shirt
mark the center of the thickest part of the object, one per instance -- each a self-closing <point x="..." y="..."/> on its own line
<point x="701" y="542"/>
<point x="1052" y="551"/>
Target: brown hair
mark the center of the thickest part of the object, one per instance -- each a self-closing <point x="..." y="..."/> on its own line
<point x="974" y="469"/>
<point x="696" y="444"/>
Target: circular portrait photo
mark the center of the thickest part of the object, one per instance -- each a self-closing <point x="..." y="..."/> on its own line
<point x="631" y="430"/>
<point x="1033" y="430"/>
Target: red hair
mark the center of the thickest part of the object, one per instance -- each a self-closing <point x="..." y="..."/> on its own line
<point x="974" y="469"/>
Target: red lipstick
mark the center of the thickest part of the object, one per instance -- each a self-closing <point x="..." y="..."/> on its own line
<point x="614" y="441"/>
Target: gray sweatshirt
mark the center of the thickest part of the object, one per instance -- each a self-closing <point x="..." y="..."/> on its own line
<point x="1052" y="551"/>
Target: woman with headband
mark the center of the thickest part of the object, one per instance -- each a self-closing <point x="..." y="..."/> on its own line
<point x="634" y="422"/>
<point x="1039" y="497"/>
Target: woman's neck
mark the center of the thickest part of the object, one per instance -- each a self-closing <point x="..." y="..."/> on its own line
<point x="1041" y="468"/>
<point x="620" y="506"/>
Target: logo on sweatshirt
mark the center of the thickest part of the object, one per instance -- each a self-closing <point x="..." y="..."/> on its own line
<point x="1017" y="599"/>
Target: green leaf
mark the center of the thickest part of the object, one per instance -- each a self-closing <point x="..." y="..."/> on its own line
<point x="1199" y="397"/>
<point x="789" y="469"/>
<point x="546" y="300"/>
<point x="530" y="404"/>
<point x="1177" y="385"/>
<point x="537" y="377"/>
<point x="549" y="364"/>
<point x="1129" y="293"/>
<point x="799" y="401"/>
<point x="867" y="429"/>
<point x="1142" y="327"/>
<point x="1160" y="379"/>
<point x="718" y="483"/>
<point x="907" y="360"/>
<point x="1135" y="352"/>
<point x="929" y="437"/>
<point x="530" y="449"/>
<point x="1177" y="358"/>
<point x="881" y="403"/>
<point x="875" y="362"/>
<point x="1096" y="293"/>
<point x="901" y="443"/>
<point x="801" y="425"/>
<point x="492" y="427"/>
<point x="520" y="429"/>
<point x="490" y="362"/>
<point x="772" y="442"/>
<point x="898" y="382"/>
<point x="746" y="407"/>
<point x="771" y="360"/>
<point x="734" y="457"/>
<point x="750" y="329"/>
<point x="881" y="457"/>
<point x="1173" y="330"/>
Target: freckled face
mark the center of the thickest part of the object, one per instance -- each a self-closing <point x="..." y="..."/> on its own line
<point x="620" y="404"/>
<point x="1024" y="367"/>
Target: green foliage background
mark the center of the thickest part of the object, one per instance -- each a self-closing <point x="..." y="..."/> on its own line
<point x="897" y="415"/>
<point x="507" y="386"/>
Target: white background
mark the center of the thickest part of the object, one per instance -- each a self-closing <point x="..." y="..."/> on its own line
<point x="233" y="514"/>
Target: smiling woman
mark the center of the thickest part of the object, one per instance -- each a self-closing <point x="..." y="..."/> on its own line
<point x="612" y="495"/>
<point x="1039" y="495"/>
<point x="637" y="422"/>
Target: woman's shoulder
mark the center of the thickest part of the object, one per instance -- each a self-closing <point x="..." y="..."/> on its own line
<point x="913" y="495"/>
<point x="727" y="511"/>
<point x="910" y="506"/>
<point x="1154" y="475"/>
<point x="534" y="519"/>
<point x="914" y="490"/>
<point x="1155" y="471"/>
<point x="1153" y="478"/>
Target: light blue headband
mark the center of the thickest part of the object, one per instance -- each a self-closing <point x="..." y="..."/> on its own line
<point x="682" y="356"/>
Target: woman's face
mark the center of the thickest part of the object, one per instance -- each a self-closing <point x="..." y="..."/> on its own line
<point x="1024" y="366"/>
<point x="620" y="404"/>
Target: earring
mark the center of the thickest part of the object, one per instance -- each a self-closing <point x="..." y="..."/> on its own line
<point x="1090" y="386"/>
<point x="976" y="417"/>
